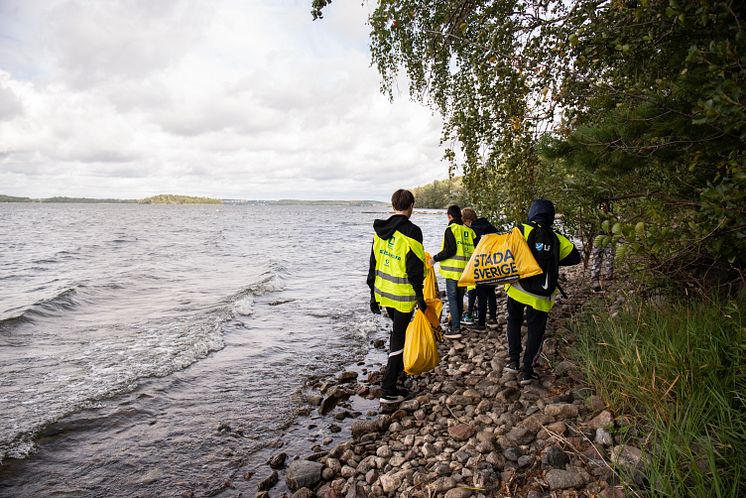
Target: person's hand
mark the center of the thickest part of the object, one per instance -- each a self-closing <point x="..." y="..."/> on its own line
<point x="431" y="262"/>
<point x="374" y="307"/>
<point x="422" y="304"/>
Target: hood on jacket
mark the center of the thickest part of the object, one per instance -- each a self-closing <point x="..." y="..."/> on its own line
<point x="482" y="226"/>
<point x="542" y="212"/>
<point x="386" y="228"/>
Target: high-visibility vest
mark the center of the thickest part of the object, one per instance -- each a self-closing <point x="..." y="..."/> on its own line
<point x="518" y="293"/>
<point x="454" y="266"/>
<point x="392" y="287"/>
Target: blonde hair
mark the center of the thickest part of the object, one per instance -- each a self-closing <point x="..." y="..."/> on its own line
<point x="469" y="214"/>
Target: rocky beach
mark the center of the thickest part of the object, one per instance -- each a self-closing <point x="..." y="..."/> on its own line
<point x="470" y="431"/>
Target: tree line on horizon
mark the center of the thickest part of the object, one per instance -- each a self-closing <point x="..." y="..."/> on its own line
<point x="441" y="193"/>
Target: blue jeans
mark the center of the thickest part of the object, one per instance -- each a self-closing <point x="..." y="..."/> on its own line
<point x="455" y="302"/>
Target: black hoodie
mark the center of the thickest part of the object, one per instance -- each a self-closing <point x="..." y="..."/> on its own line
<point x="482" y="226"/>
<point x="414" y="265"/>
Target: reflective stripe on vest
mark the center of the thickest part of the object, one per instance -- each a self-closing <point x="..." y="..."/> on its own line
<point x="392" y="287"/>
<point x="453" y="267"/>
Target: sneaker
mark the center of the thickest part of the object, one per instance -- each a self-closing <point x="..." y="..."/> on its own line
<point x="528" y="377"/>
<point x="467" y="319"/>
<point x="512" y="367"/>
<point x="481" y="326"/>
<point x="453" y="334"/>
<point x="389" y="399"/>
<point x="397" y="396"/>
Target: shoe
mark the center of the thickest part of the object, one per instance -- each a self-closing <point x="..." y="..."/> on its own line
<point x="467" y="319"/>
<point x="512" y="367"/>
<point x="528" y="377"/>
<point x="389" y="399"/>
<point x="396" y="397"/>
<point x="453" y="334"/>
<point x="481" y="326"/>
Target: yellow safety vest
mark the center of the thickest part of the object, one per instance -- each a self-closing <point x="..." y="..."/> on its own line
<point x="392" y="287"/>
<point x="454" y="266"/>
<point x="518" y="293"/>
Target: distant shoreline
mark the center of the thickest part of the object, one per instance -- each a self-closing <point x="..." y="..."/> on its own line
<point x="183" y="199"/>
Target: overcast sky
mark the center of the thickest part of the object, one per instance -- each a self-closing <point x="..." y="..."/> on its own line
<point x="224" y="98"/>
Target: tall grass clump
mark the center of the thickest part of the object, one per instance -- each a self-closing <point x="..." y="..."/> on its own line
<point x="677" y="369"/>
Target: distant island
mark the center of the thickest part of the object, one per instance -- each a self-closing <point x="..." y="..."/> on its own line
<point x="178" y="199"/>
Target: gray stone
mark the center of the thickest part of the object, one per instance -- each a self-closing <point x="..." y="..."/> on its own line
<point x="314" y="399"/>
<point x="564" y="367"/>
<point x="521" y="435"/>
<point x="555" y="457"/>
<point x="631" y="460"/>
<point x="603" y="437"/>
<point x="601" y="421"/>
<point x="390" y="482"/>
<point x="563" y="479"/>
<point x="303" y="493"/>
<point x="565" y="410"/>
<point x="460" y="432"/>
<point x="269" y="481"/>
<point x="303" y="474"/>
<point x="512" y="454"/>
<point x="458" y="493"/>
<point x="348" y="376"/>
<point x="327" y="404"/>
<point x="410" y="405"/>
<point x="508" y="395"/>
<point x="360" y="427"/>
<point x="487" y="479"/>
<point x="277" y="461"/>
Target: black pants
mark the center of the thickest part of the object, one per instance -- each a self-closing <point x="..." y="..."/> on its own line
<point x="486" y="298"/>
<point x="537" y="324"/>
<point x="395" y="365"/>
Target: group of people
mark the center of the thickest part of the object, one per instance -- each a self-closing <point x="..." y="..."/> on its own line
<point x="396" y="276"/>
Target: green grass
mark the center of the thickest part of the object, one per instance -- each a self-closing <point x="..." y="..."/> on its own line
<point x="677" y="370"/>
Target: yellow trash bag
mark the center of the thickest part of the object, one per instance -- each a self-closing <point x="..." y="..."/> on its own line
<point x="420" y="350"/>
<point x="500" y="259"/>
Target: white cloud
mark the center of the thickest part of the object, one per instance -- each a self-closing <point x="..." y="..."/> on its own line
<point x="232" y="98"/>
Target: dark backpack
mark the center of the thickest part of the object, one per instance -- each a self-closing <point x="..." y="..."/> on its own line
<point x="545" y="247"/>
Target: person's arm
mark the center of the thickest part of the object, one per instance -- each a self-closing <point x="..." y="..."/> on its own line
<point x="374" y="307"/>
<point x="569" y="254"/>
<point x="415" y="266"/>
<point x="449" y="246"/>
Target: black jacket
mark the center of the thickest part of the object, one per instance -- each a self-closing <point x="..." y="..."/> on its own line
<point x="415" y="268"/>
<point x="449" y="243"/>
<point x="482" y="226"/>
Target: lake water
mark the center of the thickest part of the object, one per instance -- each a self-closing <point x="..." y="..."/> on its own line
<point x="130" y="333"/>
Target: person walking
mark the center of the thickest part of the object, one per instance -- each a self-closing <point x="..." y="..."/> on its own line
<point x="395" y="277"/>
<point x="457" y="247"/>
<point x="536" y="294"/>
<point x="468" y="215"/>
<point x="485" y="294"/>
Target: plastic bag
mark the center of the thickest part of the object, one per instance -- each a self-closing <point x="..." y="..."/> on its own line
<point x="420" y="350"/>
<point x="500" y="259"/>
